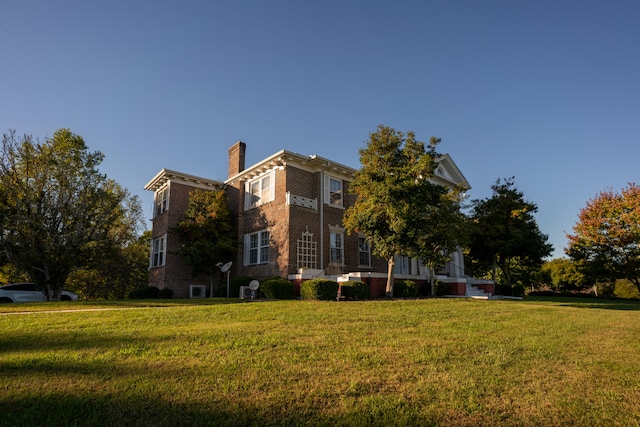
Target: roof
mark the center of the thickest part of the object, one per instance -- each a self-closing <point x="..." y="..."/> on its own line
<point x="166" y="175"/>
<point x="447" y="173"/>
<point x="280" y="159"/>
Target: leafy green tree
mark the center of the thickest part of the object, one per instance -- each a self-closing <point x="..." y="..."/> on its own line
<point x="123" y="270"/>
<point x="607" y="235"/>
<point x="446" y="230"/>
<point x="207" y="233"/>
<point x="564" y="274"/>
<point x="57" y="211"/>
<point x="504" y="233"/>
<point x="397" y="205"/>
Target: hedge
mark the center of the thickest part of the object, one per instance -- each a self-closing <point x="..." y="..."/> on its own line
<point x="278" y="289"/>
<point x="405" y="289"/>
<point x="354" y="290"/>
<point x="319" y="289"/>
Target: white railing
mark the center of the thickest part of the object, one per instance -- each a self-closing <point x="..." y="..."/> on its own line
<point x="305" y="202"/>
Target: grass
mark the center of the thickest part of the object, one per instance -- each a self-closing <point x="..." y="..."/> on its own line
<point x="425" y="362"/>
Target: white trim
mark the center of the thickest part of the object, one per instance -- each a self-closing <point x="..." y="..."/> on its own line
<point x="262" y="195"/>
<point x="327" y="191"/>
<point x="260" y="248"/>
<point x="162" y="250"/>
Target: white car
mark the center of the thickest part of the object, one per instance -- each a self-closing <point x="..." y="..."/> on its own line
<point x="27" y="292"/>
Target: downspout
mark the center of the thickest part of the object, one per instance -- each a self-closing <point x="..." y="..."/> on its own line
<point x="321" y="208"/>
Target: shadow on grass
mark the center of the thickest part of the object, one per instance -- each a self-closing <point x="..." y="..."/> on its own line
<point x="112" y="304"/>
<point x="111" y="410"/>
<point x="606" y="304"/>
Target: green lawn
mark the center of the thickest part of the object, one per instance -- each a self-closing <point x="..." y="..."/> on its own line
<point x="426" y="362"/>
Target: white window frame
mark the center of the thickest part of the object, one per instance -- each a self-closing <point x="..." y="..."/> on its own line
<point x="364" y="249"/>
<point x="260" y="190"/>
<point x="333" y="197"/>
<point x="336" y="243"/>
<point x="158" y="252"/>
<point x="257" y="247"/>
<point x="161" y="201"/>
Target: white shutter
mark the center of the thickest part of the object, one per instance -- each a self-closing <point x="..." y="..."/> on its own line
<point x="247" y="197"/>
<point x="245" y="250"/>
<point x="327" y="194"/>
<point x="272" y="186"/>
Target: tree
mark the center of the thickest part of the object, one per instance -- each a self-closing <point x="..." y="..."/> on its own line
<point x="207" y="233"/>
<point x="446" y="230"/>
<point x="397" y="205"/>
<point x="607" y="235"/>
<point x="504" y="233"/>
<point x="564" y="274"/>
<point x="57" y="211"/>
<point x="123" y="270"/>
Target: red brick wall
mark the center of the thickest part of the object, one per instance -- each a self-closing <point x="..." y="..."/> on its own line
<point x="457" y="288"/>
<point x="175" y="274"/>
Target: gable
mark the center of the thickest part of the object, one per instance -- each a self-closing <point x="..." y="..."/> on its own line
<point x="448" y="174"/>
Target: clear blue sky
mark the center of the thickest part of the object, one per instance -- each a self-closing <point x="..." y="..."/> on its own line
<point x="546" y="91"/>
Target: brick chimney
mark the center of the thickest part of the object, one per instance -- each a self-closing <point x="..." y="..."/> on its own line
<point x="236" y="158"/>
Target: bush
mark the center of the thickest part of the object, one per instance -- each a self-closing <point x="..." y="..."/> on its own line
<point x="625" y="289"/>
<point x="319" y="289"/>
<point x="518" y="290"/>
<point x="405" y="289"/>
<point x="165" y="293"/>
<point x="355" y="290"/>
<point x="441" y="288"/>
<point x="278" y="289"/>
<point x="148" y="292"/>
<point x="234" y="286"/>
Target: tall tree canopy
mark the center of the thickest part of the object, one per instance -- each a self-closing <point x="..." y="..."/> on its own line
<point x="206" y="232"/>
<point x="57" y="211"/>
<point x="564" y="274"/>
<point x="607" y="235"/>
<point x="504" y="233"/>
<point x="398" y="208"/>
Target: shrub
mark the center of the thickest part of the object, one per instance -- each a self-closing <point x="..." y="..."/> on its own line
<point x="234" y="286"/>
<point x="319" y="289"/>
<point x="165" y="293"/>
<point x="441" y="288"/>
<point x="355" y="290"/>
<point x="518" y="290"/>
<point x="278" y="289"/>
<point x="625" y="289"/>
<point x="405" y="289"/>
<point x="145" y="293"/>
<point x="505" y="290"/>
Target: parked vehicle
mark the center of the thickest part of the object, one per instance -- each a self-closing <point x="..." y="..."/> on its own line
<point x="27" y="292"/>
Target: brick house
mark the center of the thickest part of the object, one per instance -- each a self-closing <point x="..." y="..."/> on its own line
<point x="288" y="209"/>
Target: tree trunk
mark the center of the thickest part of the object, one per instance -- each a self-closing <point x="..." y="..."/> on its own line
<point x="432" y="279"/>
<point x="493" y="272"/>
<point x="390" y="279"/>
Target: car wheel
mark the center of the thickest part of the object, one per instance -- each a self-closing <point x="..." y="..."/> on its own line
<point x="5" y="299"/>
<point x="65" y="298"/>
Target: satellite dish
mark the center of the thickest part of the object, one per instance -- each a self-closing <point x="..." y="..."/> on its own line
<point x="254" y="285"/>
<point x="226" y="267"/>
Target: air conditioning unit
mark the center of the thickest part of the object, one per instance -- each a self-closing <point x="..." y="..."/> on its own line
<point x="245" y="292"/>
<point x="197" y="291"/>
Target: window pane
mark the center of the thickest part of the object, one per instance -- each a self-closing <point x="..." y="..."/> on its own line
<point x="265" y="183"/>
<point x="335" y="192"/>
<point x="336" y="248"/>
